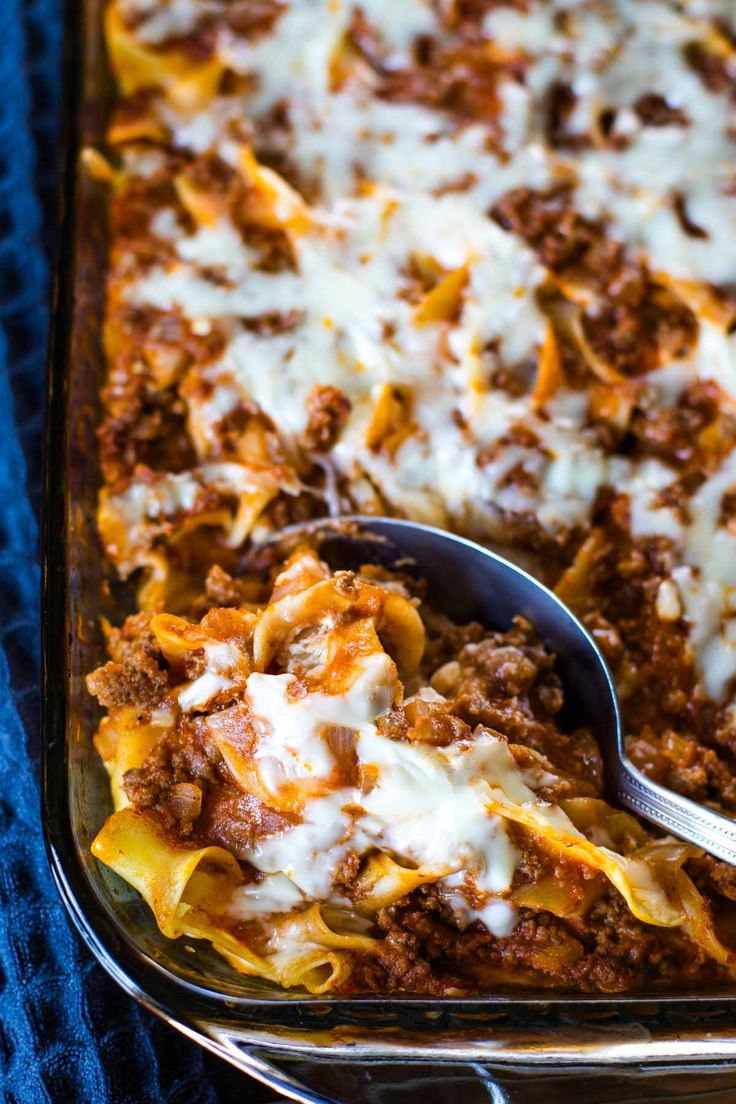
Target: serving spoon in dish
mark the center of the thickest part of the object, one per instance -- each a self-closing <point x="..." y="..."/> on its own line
<point x="470" y="583"/>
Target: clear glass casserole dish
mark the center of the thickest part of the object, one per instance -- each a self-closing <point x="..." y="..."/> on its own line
<point x="311" y="1048"/>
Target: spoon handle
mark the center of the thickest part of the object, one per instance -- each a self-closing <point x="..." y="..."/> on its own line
<point x="714" y="832"/>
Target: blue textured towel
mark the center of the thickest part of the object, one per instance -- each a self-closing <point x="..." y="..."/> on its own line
<point x="67" y="1034"/>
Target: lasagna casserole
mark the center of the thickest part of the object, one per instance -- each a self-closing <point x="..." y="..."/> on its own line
<point x="472" y="263"/>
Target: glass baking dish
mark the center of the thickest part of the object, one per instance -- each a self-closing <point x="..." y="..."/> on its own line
<point x="311" y="1048"/>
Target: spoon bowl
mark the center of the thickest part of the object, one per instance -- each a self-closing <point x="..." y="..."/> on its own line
<point x="468" y="582"/>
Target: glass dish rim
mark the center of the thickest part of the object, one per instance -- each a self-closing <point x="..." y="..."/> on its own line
<point x="282" y="1016"/>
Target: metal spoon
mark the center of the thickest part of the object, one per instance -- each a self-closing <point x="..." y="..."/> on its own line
<point x="468" y="582"/>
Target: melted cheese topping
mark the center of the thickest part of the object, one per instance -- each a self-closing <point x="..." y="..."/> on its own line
<point x="159" y="21"/>
<point x="611" y="55"/>
<point x="222" y="663"/>
<point x="399" y="199"/>
<point x="425" y="806"/>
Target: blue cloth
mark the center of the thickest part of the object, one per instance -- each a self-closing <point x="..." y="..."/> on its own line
<point x="67" y="1033"/>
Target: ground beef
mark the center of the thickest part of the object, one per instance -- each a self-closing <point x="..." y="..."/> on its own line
<point x="185" y="754"/>
<point x="252" y="18"/>
<point x="423" y="722"/>
<point x="673" y="434"/>
<point x="209" y="174"/>
<point x="506" y="682"/>
<point x="133" y="636"/>
<point x="688" y="224"/>
<point x="222" y="590"/>
<point x="236" y="820"/>
<point x="560" y="105"/>
<point x="654" y="110"/>
<point x="131" y="211"/>
<point x="606" y="636"/>
<point x="248" y="19"/>
<point x="152" y="431"/>
<point x="713" y="877"/>
<point x="605" y="951"/>
<point x="348" y="870"/>
<point x="138" y="681"/>
<point x="393" y="724"/>
<point x="468" y="15"/>
<point x="634" y="321"/>
<point x="565" y="241"/>
<point x="460" y="82"/>
<point x="145" y="420"/>
<point x="184" y="780"/>
<point x="507" y="669"/>
<point x="638" y="324"/>
<point x="273" y="247"/>
<point x="714" y="69"/>
<point x="445" y="639"/>
<point x="680" y="761"/>
<point x="327" y="410"/>
<point x="272" y="323"/>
